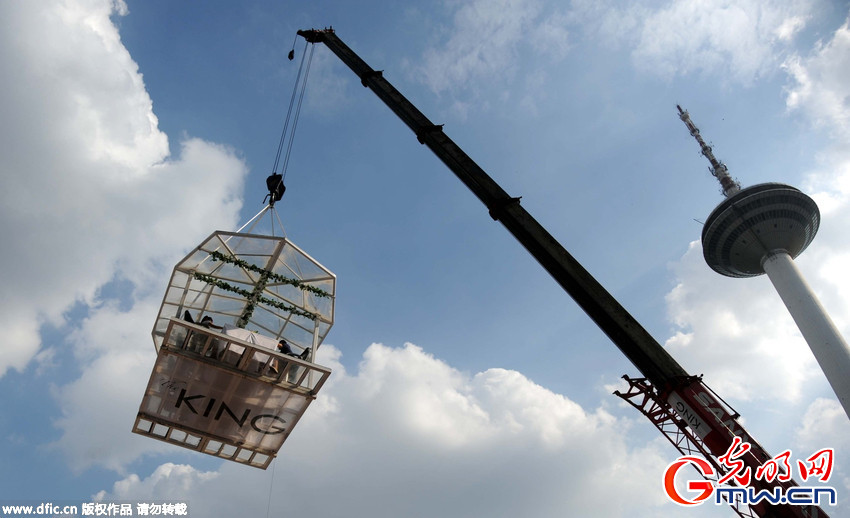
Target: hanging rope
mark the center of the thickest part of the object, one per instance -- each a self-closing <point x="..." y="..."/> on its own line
<point x="275" y="216"/>
<point x="275" y="181"/>
<point x="289" y="111"/>
<point x="271" y="487"/>
<point x="298" y="109"/>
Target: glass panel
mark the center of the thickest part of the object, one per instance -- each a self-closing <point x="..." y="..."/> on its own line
<point x="228" y="450"/>
<point x="244" y="455"/>
<point x="243" y="259"/>
<point x="260" y="357"/>
<point x="212" y="447"/>
<point x="179" y="279"/>
<point x="232" y="354"/>
<point x="168" y="310"/>
<point x="173" y="296"/>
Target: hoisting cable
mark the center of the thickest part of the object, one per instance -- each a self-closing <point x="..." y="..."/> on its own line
<point x="297" y="111"/>
<point x="253" y="221"/>
<point x="274" y="216"/>
<point x="275" y="181"/>
<point x="258" y="217"/>
<point x="271" y="487"/>
<point x="289" y="111"/>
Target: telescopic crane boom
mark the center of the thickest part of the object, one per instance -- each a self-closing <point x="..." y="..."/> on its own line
<point x="686" y="394"/>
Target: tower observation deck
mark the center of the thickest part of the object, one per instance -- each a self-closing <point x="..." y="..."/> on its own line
<point x="754" y="222"/>
<point x="761" y="229"/>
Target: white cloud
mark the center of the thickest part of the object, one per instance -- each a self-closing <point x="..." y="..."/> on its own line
<point x="825" y="425"/>
<point x="736" y="332"/>
<point x="408" y="427"/>
<point x="822" y="84"/>
<point x="88" y="187"/>
<point x="789" y="27"/>
<point x="822" y="96"/>
<point x="552" y="37"/>
<point x="328" y="80"/>
<point x="739" y="334"/>
<point x="483" y="42"/>
<point x="169" y="482"/>
<point x="734" y="40"/>
<point x="95" y="423"/>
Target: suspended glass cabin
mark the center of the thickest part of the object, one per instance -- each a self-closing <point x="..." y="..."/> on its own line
<point x="224" y="387"/>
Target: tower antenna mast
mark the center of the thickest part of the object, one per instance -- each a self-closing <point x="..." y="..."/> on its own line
<point x="718" y="168"/>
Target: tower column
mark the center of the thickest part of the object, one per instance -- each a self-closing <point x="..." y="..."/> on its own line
<point x="826" y="343"/>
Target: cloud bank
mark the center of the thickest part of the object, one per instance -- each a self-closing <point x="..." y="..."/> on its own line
<point x="89" y="191"/>
<point x="733" y="41"/>
<point x="408" y="435"/>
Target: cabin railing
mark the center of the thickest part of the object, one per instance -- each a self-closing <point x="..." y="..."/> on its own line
<point x="253" y="360"/>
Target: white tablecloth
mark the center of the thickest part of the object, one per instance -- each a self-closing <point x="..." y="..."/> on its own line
<point x="251" y="337"/>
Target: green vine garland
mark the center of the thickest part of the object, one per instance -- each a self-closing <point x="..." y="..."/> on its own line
<point x="249" y="295"/>
<point x="218" y="256"/>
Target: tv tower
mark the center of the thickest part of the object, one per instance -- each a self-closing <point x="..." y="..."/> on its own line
<point x="761" y="229"/>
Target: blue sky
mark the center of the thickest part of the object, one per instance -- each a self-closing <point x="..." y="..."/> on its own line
<point x="466" y="382"/>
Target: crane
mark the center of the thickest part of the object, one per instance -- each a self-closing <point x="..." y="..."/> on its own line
<point x="711" y="425"/>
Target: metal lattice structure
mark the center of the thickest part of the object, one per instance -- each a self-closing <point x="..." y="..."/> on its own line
<point x="643" y="397"/>
<point x="269" y="270"/>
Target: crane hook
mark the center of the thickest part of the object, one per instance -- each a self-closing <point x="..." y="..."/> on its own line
<point x="276" y="188"/>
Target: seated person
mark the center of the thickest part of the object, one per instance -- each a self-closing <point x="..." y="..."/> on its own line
<point x="207" y="322"/>
<point x="283" y="347"/>
<point x="199" y="340"/>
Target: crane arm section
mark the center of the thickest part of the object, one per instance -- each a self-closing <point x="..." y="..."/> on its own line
<point x="633" y="340"/>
